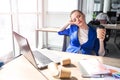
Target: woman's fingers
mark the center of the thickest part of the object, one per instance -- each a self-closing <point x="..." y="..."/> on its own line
<point x="101" y="33"/>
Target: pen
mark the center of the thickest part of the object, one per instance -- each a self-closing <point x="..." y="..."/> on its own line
<point x="93" y="76"/>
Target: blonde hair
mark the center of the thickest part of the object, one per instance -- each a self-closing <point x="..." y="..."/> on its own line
<point x="77" y="11"/>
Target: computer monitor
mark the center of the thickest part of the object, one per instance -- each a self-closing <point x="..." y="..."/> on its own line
<point x="112" y="13"/>
<point x="112" y="17"/>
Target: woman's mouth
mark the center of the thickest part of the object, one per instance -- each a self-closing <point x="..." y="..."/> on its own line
<point x="79" y="22"/>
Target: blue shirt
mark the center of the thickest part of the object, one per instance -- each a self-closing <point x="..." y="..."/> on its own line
<point x="74" y="45"/>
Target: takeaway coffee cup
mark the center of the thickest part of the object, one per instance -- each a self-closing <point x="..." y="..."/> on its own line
<point x="101" y="32"/>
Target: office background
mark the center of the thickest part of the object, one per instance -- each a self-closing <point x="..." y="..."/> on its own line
<point x="25" y="16"/>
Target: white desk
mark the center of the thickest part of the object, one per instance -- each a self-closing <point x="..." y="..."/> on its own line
<point x="74" y="68"/>
<point x="20" y="69"/>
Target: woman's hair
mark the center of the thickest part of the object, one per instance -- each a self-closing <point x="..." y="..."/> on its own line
<point x="76" y="11"/>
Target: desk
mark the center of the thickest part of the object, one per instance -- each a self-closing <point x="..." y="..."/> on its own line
<point x="110" y="26"/>
<point x="75" y="71"/>
<point x="20" y="69"/>
<point x="46" y="29"/>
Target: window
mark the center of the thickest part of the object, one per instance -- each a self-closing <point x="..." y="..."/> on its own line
<point x="62" y="5"/>
<point x="24" y="16"/>
<point x="27" y="5"/>
<point x="21" y="16"/>
<point x="4" y="6"/>
<point x="6" y="45"/>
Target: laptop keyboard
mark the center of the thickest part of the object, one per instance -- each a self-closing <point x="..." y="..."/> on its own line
<point x="42" y="58"/>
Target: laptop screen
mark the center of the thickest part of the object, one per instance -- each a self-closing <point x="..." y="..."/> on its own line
<point x="25" y="48"/>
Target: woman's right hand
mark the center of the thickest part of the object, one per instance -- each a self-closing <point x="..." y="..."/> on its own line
<point x="70" y="22"/>
<point x="66" y="25"/>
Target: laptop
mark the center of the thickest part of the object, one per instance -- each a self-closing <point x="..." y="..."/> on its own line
<point x="38" y="59"/>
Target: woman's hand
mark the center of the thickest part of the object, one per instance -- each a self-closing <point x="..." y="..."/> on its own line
<point x="101" y="34"/>
<point x="66" y="25"/>
<point x="71" y="22"/>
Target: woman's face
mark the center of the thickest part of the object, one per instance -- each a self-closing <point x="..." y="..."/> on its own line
<point x="78" y="18"/>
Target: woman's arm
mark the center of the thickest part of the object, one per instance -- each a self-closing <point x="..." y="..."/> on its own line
<point x="66" y="25"/>
<point x="101" y="36"/>
<point x="101" y="51"/>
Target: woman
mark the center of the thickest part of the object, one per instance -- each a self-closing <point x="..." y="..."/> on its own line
<point x="83" y="38"/>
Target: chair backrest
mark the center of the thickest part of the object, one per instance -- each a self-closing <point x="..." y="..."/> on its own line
<point x="65" y="43"/>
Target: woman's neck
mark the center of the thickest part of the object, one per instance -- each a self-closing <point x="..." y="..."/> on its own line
<point x="84" y="26"/>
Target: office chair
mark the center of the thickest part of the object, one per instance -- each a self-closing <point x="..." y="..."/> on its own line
<point x="65" y="43"/>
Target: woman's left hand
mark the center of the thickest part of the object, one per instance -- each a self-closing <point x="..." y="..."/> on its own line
<point x="101" y="34"/>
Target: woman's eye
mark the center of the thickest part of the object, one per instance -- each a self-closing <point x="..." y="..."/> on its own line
<point x="79" y="16"/>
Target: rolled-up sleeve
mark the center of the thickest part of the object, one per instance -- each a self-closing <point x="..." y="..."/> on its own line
<point x="64" y="32"/>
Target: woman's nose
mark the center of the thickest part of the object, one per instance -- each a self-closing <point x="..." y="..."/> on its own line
<point x="77" y="19"/>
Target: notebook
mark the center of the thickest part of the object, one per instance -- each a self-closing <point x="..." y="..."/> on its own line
<point x="38" y="59"/>
<point x="92" y="68"/>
